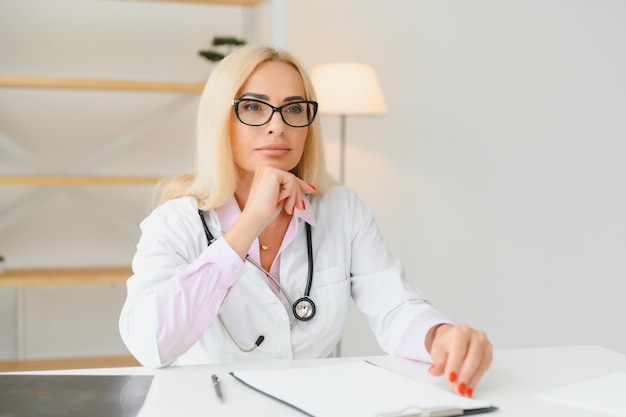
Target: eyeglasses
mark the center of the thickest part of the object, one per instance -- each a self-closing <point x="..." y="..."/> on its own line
<point x="253" y="112"/>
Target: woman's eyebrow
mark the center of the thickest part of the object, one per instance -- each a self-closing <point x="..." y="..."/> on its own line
<point x="293" y="98"/>
<point x="266" y="98"/>
<point x="256" y="95"/>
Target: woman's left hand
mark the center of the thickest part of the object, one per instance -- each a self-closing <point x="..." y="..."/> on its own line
<point x="462" y="354"/>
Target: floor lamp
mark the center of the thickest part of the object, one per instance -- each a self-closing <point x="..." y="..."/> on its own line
<point x="347" y="89"/>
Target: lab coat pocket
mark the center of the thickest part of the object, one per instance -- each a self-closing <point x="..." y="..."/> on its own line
<point x="330" y="292"/>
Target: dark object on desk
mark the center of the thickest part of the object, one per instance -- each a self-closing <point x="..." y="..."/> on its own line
<point x="73" y="395"/>
<point x="218" y="388"/>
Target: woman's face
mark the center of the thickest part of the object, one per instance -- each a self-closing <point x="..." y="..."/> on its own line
<point x="274" y="143"/>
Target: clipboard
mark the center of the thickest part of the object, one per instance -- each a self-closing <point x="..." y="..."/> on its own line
<point x="358" y="388"/>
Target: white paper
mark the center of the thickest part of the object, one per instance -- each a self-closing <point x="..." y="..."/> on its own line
<point x="354" y="389"/>
<point x="606" y="394"/>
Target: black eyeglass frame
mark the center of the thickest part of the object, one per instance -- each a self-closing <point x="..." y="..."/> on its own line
<point x="274" y="110"/>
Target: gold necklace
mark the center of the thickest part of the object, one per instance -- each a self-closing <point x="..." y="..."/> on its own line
<point x="264" y="247"/>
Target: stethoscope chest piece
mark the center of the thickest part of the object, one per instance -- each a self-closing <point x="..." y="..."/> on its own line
<point x="304" y="309"/>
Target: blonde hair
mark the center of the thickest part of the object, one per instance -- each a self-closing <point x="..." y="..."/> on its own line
<point x="215" y="179"/>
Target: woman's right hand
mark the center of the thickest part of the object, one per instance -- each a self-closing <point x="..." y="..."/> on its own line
<point x="271" y="191"/>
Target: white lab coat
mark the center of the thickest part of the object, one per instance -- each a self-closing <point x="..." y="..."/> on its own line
<point x="350" y="260"/>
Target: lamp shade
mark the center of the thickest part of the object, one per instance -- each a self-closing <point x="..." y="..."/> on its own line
<point x="348" y="88"/>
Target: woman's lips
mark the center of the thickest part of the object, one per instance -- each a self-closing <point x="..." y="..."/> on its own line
<point x="274" y="150"/>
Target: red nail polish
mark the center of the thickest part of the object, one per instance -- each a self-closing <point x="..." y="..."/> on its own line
<point x="293" y="209"/>
<point x="461" y="388"/>
<point x="303" y="205"/>
<point x="312" y="186"/>
<point x="469" y="392"/>
<point x="431" y="368"/>
<point x="452" y="376"/>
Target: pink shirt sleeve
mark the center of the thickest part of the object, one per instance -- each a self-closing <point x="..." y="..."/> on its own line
<point x="188" y="303"/>
<point x="412" y="344"/>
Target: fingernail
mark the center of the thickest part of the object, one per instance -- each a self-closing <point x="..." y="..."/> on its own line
<point x="431" y="368"/>
<point x="303" y="205"/>
<point x="461" y="388"/>
<point x="293" y="209"/>
<point x="452" y="376"/>
<point x="469" y="392"/>
<point x="312" y="186"/>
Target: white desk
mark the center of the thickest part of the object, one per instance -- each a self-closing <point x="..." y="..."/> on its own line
<point x="511" y="383"/>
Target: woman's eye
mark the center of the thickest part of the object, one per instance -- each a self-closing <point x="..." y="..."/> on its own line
<point x="296" y="108"/>
<point x="252" y="107"/>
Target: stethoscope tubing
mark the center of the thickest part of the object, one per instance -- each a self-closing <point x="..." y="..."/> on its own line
<point x="303" y="309"/>
<point x="309" y="248"/>
<point x="280" y="287"/>
<point x="305" y="300"/>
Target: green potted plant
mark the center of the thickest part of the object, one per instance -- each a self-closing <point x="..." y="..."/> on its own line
<point x="227" y="43"/>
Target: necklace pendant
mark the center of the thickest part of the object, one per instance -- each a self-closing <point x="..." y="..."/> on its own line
<point x="264" y="247"/>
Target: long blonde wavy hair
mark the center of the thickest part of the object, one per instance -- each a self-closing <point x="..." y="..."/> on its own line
<point x="214" y="179"/>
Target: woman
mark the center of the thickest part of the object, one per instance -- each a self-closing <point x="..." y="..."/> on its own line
<point x="260" y="200"/>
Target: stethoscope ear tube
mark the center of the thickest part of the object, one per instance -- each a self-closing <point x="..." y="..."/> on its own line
<point x="258" y="342"/>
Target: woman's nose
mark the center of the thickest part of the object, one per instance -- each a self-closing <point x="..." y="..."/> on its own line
<point x="276" y="124"/>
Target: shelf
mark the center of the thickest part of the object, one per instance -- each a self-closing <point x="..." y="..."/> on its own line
<point x="64" y="276"/>
<point x="68" y="363"/>
<point x="76" y="180"/>
<point x="217" y="2"/>
<point x="16" y="81"/>
<point x="57" y="277"/>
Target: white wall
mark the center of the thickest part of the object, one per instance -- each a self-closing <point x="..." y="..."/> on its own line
<point x="505" y="150"/>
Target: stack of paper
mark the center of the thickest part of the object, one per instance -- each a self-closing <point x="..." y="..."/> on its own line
<point x="605" y="395"/>
<point x="357" y="389"/>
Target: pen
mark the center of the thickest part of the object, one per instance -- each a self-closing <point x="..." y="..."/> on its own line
<point x="433" y="412"/>
<point x="218" y="387"/>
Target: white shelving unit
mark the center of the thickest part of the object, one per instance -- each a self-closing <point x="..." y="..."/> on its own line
<point x="44" y="184"/>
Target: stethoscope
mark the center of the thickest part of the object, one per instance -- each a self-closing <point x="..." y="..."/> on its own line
<point x="303" y="309"/>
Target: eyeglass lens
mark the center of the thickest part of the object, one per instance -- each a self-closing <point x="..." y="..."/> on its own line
<point x="257" y="113"/>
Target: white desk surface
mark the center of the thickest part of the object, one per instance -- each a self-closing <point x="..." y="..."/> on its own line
<point x="511" y="384"/>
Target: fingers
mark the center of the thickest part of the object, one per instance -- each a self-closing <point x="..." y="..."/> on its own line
<point x="463" y="355"/>
<point x="292" y="192"/>
<point x="438" y="353"/>
<point x="486" y="357"/>
<point x="274" y="189"/>
<point x="271" y="191"/>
